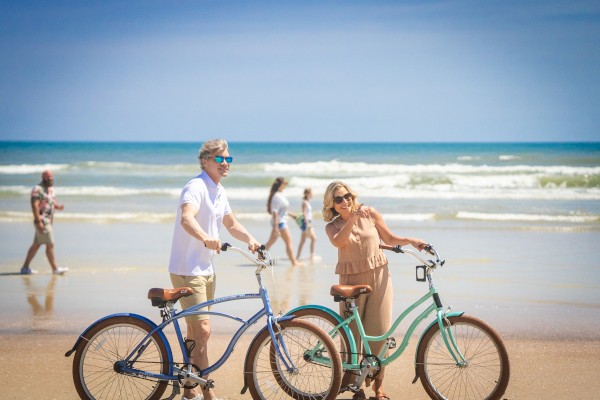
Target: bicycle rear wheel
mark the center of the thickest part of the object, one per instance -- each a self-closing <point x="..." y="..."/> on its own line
<point x="94" y="366"/>
<point x="328" y="322"/>
<point x="309" y="380"/>
<point x="486" y="373"/>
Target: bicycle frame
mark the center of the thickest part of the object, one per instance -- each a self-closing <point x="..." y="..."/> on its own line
<point x="171" y="316"/>
<point x="198" y="310"/>
<point x="436" y="306"/>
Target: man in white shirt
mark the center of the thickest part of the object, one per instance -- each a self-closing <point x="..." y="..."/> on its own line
<point x="203" y="210"/>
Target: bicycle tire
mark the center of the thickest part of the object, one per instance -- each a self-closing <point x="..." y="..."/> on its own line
<point x="269" y="380"/>
<point x="108" y="342"/>
<point x="328" y="322"/>
<point x="485" y="376"/>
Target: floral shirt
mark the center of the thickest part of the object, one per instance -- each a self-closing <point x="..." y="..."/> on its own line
<point x="47" y="201"/>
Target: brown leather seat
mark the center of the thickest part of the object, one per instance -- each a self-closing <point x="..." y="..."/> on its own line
<point x="160" y="296"/>
<point x="349" y="291"/>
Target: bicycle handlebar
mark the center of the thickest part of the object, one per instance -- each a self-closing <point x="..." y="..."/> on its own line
<point x="429" y="249"/>
<point x="263" y="259"/>
<point x="395" y="249"/>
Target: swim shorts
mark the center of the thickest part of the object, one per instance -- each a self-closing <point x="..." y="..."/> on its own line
<point x="44" y="237"/>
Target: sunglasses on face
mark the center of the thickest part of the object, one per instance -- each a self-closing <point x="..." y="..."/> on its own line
<point x="220" y="159"/>
<point x="340" y="199"/>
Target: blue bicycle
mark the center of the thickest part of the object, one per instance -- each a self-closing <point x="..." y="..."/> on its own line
<point x="127" y="356"/>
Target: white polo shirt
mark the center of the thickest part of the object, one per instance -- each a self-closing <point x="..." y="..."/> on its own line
<point x="189" y="256"/>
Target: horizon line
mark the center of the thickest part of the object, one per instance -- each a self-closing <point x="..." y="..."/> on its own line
<point x="47" y="141"/>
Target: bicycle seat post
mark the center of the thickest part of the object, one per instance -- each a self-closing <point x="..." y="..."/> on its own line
<point x="350" y="306"/>
<point x="166" y="312"/>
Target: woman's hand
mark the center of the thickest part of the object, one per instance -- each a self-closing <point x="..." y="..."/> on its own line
<point x="362" y="212"/>
<point x="417" y="243"/>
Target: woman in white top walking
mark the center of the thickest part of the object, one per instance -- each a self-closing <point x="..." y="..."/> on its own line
<point x="277" y="206"/>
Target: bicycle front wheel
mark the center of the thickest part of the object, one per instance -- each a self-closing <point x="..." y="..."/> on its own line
<point x="309" y="379"/>
<point x="95" y="364"/>
<point x="486" y="372"/>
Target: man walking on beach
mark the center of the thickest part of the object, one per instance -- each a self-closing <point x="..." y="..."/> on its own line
<point x="43" y="204"/>
<point x="203" y="210"/>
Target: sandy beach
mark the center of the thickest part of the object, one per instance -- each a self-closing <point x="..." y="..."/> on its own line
<point x="554" y="347"/>
<point x="33" y="366"/>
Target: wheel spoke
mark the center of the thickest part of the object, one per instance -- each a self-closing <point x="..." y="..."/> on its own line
<point x="485" y="372"/>
<point x="111" y="341"/>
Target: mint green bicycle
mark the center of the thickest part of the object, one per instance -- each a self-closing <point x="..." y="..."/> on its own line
<point x="457" y="356"/>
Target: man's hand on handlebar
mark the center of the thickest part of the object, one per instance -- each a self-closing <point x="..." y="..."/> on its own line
<point x="213" y="244"/>
<point x="253" y="245"/>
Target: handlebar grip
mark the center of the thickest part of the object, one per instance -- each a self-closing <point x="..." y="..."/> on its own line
<point x="224" y="246"/>
<point x="395" y="249"/>
<point x="261" y="252"/>
<point x="429" y="249"/>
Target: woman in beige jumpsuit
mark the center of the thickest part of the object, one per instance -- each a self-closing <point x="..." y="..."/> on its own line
<point x="357" y="231"/>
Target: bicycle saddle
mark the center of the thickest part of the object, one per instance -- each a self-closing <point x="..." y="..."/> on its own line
<point x="342" y="292"/>
<point x="160" y="297"/>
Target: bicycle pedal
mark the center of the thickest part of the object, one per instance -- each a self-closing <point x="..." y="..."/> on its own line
<point x="391" y="343"/>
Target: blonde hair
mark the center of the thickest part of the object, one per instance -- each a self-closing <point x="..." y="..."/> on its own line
<point x="329" y="213"/>
<point x="211" y="146"/>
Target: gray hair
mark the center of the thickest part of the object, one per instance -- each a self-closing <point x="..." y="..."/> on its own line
<point x="210" y="147"/>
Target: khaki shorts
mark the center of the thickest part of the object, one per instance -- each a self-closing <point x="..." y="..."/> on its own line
<point x="44" y="237"/>
<point x="204" y="290"/>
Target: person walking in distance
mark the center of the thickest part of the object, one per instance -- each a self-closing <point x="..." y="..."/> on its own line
<point x="277" y="207"/>
<point x="305" y="222"/>
<point x="202" y="211"/>
<point x="43" y="205"/>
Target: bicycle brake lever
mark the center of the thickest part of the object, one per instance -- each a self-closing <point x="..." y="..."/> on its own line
<point x="429" y="249"/>
<point x="261" y="252"/>
<point x="224" y="246"/>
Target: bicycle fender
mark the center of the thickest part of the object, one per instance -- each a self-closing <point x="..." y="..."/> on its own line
<point x="318" y="307"/>
<point x="335" y="315"/>
<point x="136" y="316"/>
<point x="434" y="322"/>
<point x="246" y="376"/>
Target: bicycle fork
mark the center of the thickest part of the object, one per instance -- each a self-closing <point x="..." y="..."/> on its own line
<point x="449" y="340"/>
<point x="280" y="347"/>
<point x="446" y="328"/>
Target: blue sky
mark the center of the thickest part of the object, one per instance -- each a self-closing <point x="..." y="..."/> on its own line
<point x="300" y="70"/>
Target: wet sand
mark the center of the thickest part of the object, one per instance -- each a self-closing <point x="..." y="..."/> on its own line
<point x="33" y="366"/>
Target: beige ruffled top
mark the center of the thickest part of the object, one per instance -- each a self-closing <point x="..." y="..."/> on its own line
<point x="362" y="253"/>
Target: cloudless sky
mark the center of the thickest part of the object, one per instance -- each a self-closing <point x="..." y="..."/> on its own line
<point x="182" y="70"/>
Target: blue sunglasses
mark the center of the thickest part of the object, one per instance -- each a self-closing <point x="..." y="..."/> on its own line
<point x="220" y="159"/>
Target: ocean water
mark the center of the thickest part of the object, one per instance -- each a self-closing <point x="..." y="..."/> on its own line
<point x="550" y="185"/>
<point x="518" y="223"/>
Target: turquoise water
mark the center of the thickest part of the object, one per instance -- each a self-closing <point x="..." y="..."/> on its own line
<point x="545" y="183"/>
